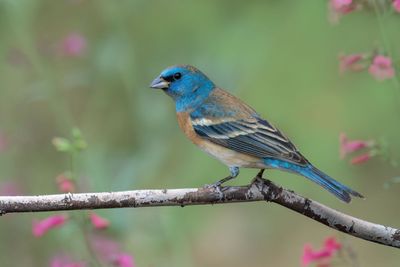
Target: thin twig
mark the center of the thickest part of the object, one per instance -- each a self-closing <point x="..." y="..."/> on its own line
<point x="259" y="190"/>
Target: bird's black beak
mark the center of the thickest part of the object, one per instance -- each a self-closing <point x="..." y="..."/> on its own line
<point x="159" y="83"/>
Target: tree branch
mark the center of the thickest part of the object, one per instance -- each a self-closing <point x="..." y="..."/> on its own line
<point x="259" y="190"/>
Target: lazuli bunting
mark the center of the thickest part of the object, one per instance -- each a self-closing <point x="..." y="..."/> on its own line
<point x="228" y="129"/>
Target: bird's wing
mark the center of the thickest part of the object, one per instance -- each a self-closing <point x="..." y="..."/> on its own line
<point x="229" y="122"/>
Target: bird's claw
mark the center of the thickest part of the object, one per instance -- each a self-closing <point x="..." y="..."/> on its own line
<point x="217" y="188"/>
<point x="214" y="186"/>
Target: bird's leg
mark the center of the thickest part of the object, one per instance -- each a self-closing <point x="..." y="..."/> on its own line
<point x="258" y="176"/>
<point x="234" y="173"/>
<point x="260" y="173"/>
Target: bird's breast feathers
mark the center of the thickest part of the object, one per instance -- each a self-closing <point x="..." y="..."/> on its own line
<point x="227" y="128"/>
<point x="227" y="156"/>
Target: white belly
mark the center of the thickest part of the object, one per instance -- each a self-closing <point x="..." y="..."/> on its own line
<point x="231" y="158"/>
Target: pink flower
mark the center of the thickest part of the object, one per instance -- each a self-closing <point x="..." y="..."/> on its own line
<point x="74" y="45"/>
<point x="338" y="8"/>
<point x="10" y="188"/>
<point x="104" y="247"/>
<point x="39" y="228"/>
<point x="361" y="159"/>
<point x="349" y="146"/>
<point x="109" y="251"/>
<point x="342" y="6"/>
<point x="98" y="222"/>
<point x="124" y="260"/>
<point x="322" y="256"/>
<point x="331" y="244"/>
<point x="396" y="5"/>
<point x="65" y="261"/>
<point x="65" y="184"/>
<point x="310" y="256"/>
<point x="351" y="62"/>
<point x="381" y="68"/>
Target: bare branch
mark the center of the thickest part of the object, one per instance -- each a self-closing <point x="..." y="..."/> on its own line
<point x="260" y="190"/>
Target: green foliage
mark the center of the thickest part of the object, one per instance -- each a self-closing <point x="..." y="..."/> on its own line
<point x="77" y="143"/>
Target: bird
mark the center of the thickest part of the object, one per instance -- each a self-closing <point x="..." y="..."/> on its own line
<point x="228" y="129"/>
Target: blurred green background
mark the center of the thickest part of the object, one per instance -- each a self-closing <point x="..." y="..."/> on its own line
<point x="279" y="56"/>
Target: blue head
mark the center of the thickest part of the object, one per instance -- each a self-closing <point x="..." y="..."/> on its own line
<point x="187" y="86"/>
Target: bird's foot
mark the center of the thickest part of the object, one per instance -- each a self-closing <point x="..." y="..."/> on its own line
<point x="218" y="185"/>
<point x="217" y="188"/>
<point x="214" y="186"/>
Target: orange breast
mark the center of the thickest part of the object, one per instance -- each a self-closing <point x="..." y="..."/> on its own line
<point x="187" y="128"/>
<point x="227" y="156"/>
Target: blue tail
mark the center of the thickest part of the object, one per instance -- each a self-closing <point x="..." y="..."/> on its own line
<point x="339" y="190"/>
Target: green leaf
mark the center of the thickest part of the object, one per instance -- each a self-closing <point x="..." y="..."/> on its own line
<point x="80" y="145"/>
<point x="76" y="133"/>
<point x="62" y="144"/>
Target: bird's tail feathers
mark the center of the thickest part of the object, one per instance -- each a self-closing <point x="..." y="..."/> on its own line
<point x="339" y="190"/>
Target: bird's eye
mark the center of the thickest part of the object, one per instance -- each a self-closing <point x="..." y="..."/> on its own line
<point x="177" y="76"/>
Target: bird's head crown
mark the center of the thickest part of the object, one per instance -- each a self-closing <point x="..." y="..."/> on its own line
<point x="184" y="83"/>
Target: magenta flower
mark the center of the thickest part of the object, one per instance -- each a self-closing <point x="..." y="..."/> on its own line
<point x="348" y="146"/>
<point x="105" y="247"/>
<point x="10" y="188"/>
<point x="381" y="68"/>
<point x="396" y="5"/>
<point x="351" y="62"/>
<point x="123" y="260"/>
<point x="98" y="222"/>
<point x="361" y="158"/>
<point x="65" y="184"/>
<point x="109" y="251"/>
<point x="322" y="256"/>
<point x="39" y="228"/>
<point x="65" y="261"/>
<point x="74" y="45"/>
<point x="342" y="6"/>
<point x="331" y="244"/>
<point x="338" y="8"/>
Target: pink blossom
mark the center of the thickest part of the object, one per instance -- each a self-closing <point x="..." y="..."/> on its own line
<point x="396" y="5"/>
<point x="39" y="228"/>
<point x="310" y="256"/>
<point x="109" y="251"/>
<point x="342" y="6"/>
<point x="349" y="146"/>
<point x="105" y="248"/>
<point x="361" y="159"/>
<point x="65" y="184"/>
<point x="323" y="255"/>
<point x="10" y="188"/>
<point x="331" y="244"/>
<point x="74" y="45"/>
<point x="338" y="8"/>
<point x="65" y="261"/>
<point x="381" y="68"/>
<point x="98" y="222"/>
<point x="123" y="260"/>
<point x="351" y="62"/>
